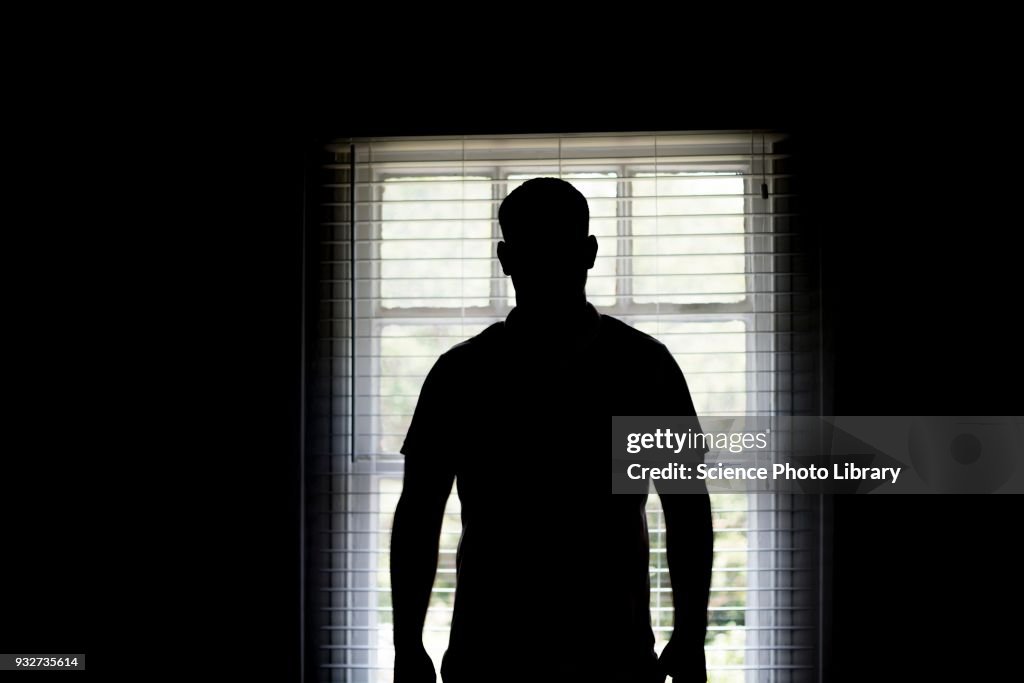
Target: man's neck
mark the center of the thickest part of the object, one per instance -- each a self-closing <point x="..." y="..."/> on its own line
<point x="572" y="320"/>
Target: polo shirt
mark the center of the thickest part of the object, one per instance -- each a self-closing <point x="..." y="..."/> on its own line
<point x="552" y="568"/>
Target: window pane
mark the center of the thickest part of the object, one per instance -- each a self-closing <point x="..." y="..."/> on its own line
<point x="688" y="238"/>
<point x="436" y="245"/>
<point x="713" y="357"/>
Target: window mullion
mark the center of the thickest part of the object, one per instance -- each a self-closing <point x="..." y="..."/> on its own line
<point x="624" y="239"/>
<point x="499" y="284"/>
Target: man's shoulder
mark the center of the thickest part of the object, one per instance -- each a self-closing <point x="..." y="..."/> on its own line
<point x="473" y="349"/>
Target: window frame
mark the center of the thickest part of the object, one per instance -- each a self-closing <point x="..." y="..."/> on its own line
<point x="370" y="468"/>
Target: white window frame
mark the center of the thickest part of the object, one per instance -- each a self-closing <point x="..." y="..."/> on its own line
<point x="368" y="469"/>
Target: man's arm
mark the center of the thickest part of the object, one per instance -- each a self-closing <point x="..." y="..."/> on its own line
<point x="414" y="546"/>
<point x="429" y="474"/>
<point x="689" y="538"/>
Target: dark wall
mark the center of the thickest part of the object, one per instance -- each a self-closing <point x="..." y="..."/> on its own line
<point x="185" y="383"/>
<point x="919" y="272"/>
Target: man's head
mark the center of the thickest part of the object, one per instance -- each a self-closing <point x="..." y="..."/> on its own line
<point x="547" y="250"/>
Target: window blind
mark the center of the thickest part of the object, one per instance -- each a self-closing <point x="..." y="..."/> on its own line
<point x="700" y="244"/>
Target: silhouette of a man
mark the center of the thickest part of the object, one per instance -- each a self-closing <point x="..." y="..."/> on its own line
<point x="552" y="578"/>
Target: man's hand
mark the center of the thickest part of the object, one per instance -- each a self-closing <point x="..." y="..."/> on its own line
<point x="684" y="662"/>
<point x="414" y="666"/>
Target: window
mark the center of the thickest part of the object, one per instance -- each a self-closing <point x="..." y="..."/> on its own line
<point x="690" y="250"/>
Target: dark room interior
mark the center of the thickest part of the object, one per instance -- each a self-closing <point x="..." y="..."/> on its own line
<point x="195" y="539"/>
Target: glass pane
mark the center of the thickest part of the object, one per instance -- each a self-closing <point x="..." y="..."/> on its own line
<point x="713" y="357"/>
<point x="436" y="245"/>
<point x="688" y="238"/>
